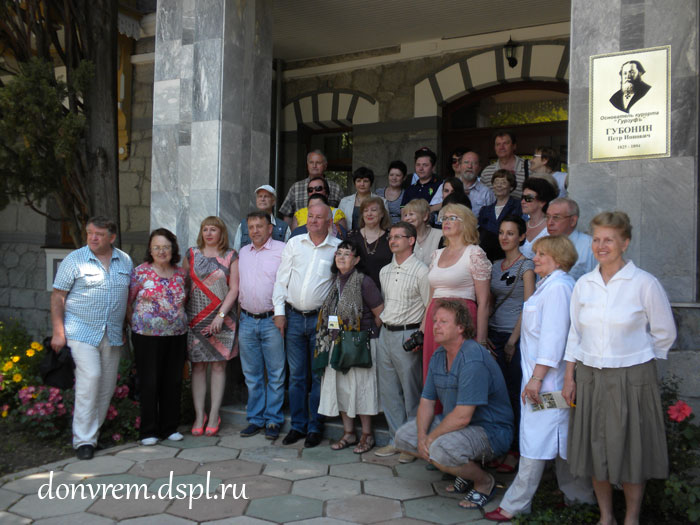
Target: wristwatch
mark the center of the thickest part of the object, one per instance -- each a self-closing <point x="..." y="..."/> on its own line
<point x="222" y="314"/>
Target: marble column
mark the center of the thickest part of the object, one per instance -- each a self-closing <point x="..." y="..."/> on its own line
<point x="660" y="195"/>
<point x="211" y="112"/>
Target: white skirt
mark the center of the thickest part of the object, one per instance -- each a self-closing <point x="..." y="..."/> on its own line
<point x="353" y="393"/>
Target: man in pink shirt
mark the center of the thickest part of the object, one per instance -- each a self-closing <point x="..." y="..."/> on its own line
<point x="261" y="343"/>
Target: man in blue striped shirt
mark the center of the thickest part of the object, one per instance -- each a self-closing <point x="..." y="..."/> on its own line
<point x="88" y="309"/>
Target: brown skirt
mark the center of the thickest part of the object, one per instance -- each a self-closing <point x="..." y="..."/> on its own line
<point x="616" y="431"/>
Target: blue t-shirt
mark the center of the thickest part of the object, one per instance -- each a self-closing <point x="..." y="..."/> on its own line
<point x="474" y="379"/>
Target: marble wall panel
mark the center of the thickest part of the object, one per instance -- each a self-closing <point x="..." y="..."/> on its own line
<point x="205" y="155"/>
<point x="188" y="21"/>
<point x="684" y="115"/>
<point x="235" y="21"/>
<point x="164" y="169"/>
<point x="168" y="64"/>
<point x="202" y="204"/>
<point x="186" y="99"/>
<point x="168" y="20"/>
<point x="166" y="207"/>
<point x="234" y="94"/>
<point x="184" y="162"/>
<point x="166" y="102"/>
<point x="209" y="20"/>
<point x="595" y="29"/>
<point x="594" y="187"/>
<point x="206" y="83"/>
<point x="578" y="135"/>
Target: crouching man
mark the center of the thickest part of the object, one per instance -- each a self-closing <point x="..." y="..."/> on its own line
<point x="477" y="421"/>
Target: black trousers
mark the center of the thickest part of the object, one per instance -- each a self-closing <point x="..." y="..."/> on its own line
<point x="159" y="362"/>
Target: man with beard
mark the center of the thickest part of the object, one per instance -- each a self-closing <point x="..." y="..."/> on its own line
<point x="479" y="194"/>
<point x="632" y="88"/>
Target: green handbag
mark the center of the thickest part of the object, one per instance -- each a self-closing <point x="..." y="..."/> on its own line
<point x="351" y="350"/>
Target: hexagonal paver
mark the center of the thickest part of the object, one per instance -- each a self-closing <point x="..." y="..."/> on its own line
<point x="121" y="509"/>
<point x="36" y="508"/>
<point x="101" y="465"/>
<point x="190" y="441"/>
<point x="329" y="456"/>
<point x="7" y="518"/>
<point x="236" y="441"/>
<point x="296" y="469"/>
<point x="208" y="454"/>
<point x="146" y="453"/>
<point x="107" y="485"/>
<point x="363" y="509"/>
<point x="320" y="521"/>
<point x="167" y="488"/>
<point x="440" y="510"/>
<point x="232" y="468"/>
<point x="411" y="521"/>
<point x="285" y="508"/>
<point x="399" y="488"/>
<point x="417" y="470"/>
<point x="161" y="468"/>
<point x="269" y="454"/>
<point x="7" y="498"/>
<point x="207" y="509"/>
<point x="257" y="487"/>
<point x="327" y="487"/>
<point x="361" y="471"/>
<point x="159" y="519"/>
<point x="239" y="520"/>
<point x="33" y="482"/>
<point x="82" y="518"/>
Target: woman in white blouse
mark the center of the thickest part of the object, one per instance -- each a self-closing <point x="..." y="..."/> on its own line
<point x="621" y="322"/>
<point x="545" y="325"/>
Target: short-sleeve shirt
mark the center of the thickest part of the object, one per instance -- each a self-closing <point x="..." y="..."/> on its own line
<point x="458" y="280"/>
<point x="421" y="191"/>
<point x="474" y="379"/>
<point x="96" y="299"/>
<point x="158" y="302"/>
<point x="504" y="318"/>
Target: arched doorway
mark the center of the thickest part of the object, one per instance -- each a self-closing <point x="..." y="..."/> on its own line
<point x="535" y="111"/>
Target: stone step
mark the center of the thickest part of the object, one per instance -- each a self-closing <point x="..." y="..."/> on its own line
<point x="235" y="414"/>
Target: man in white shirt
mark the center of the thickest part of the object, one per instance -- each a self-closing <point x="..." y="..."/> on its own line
<point x="303" y="281"/>
<point x="406" y="292"/>
<point x="562" y="218"/>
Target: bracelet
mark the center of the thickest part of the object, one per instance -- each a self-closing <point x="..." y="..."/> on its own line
<point x="537" y="378"/>
<point x="222" y="314"/>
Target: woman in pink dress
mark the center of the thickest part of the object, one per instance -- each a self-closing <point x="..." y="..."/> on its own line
<point x="458" y="271"/>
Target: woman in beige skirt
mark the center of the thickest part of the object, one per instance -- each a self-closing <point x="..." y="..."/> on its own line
<point x="621" y="322"/>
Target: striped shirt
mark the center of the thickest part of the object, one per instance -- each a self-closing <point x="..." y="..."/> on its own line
<point x="96" y="297"/>
<point x="519" y="175"/>
<point x="406" y="291"/>
<point x="298" y="197"/>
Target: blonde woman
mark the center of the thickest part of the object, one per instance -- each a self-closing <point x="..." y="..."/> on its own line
<point x="212" y="269"/>
<point x="417" y="213"/>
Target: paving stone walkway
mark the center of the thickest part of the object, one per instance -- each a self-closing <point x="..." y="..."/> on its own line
<point x="291" y="484"/>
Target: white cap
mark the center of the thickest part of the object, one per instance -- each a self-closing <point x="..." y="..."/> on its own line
<point x="267" y="188"/>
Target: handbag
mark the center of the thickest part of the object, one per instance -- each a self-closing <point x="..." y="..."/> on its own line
<point x="56" y="368"/>
<point x="351" y="350"/>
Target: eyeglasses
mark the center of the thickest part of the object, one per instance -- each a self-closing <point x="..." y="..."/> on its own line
<point x="163" y="249"/>
<point x="451" y="218"/>
<point x="455" y="160"/>
<point x="396" y="237"/>
<point x="509" y="279"/>
<point x="529" y="198"/>
<point x="556" y="218"/>
<point x="313" y="189"/>
<point x="537" y="155"/>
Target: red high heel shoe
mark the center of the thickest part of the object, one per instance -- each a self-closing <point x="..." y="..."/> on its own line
<point x="198" y="431"/>
<point x="212" y="431"/>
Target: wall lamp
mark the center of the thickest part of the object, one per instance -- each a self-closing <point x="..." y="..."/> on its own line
<point x="510" y="52"/>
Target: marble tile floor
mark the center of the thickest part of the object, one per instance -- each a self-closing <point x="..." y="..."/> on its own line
<point x="280" y="484"/>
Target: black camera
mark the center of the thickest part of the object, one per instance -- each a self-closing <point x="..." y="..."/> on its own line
<point x="413" y="342"/>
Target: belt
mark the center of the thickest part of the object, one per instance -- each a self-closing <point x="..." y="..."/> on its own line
<point x="401" y="328"/>
<point x="263" y="315"/>
<point x="309" y="313"/>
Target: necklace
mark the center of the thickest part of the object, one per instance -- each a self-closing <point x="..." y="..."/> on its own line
<point x="367" y="245"/>
<point x="511" y="264"/>
<point x="536" y="225"/>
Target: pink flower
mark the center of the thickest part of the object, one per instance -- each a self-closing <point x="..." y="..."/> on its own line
<point x="112" y="413"/>
<point x="137" y="422"/>
<point x="116" y="437"/>
<point x="679" y="411"/>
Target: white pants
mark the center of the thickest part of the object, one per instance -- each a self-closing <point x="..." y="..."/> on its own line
<point x="518" y="497"/>
<point x="95" y="378"/>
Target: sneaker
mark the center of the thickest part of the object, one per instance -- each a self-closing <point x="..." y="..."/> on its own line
<point x="272" y="431"/>
<point x="250" y="430"/>
<point x="175" y="436"/>
<point x="386" y="451"/>
<point x="404" y="457"/>
<point x="149" y="442"/>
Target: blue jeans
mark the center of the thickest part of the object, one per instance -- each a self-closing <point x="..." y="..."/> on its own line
<point x="261" y="350"/>
<point x="300" y="340"/>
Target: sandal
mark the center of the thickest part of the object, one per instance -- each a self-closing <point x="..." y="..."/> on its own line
<point x="344" y="442"/>
<point x="477" y="500"/>
<point x="506" y="467"/>
<point x="460" y="486"/>
<point x="365" y="445"/>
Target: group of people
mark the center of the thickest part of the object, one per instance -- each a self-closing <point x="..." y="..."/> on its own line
<point x="502" y="339"/>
